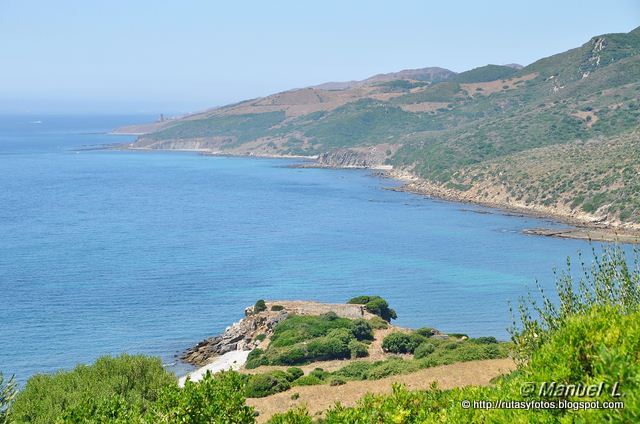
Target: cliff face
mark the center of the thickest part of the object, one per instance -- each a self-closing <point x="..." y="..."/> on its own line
<point x="346" y="158"/>
<point x="357" y="157"/>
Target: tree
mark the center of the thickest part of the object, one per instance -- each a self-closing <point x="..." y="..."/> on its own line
<point x="259" y="306"/>
<point x="376" y="305"/>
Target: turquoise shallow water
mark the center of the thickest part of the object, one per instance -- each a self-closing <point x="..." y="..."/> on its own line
<point x="103" y="252"/>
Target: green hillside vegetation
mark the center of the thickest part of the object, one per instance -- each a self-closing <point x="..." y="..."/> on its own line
<point x="401" y="85"/>
<point x="490" y="116"/>
<point x="602" y="176"/>
<point x="441" y="92"/>
<point x="485" y="74"/>
<point x="241" y="128"/>
<point x="303" y="339"/>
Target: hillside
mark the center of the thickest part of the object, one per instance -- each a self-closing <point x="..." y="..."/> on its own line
<point x="559" y="136"/>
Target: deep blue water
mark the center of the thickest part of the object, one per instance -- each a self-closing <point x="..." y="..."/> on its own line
<point x="103" y="252"/>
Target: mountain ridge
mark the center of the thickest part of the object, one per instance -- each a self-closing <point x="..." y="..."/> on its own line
<point x="460" y="131"/>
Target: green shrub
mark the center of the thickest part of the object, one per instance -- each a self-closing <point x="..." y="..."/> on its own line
<point x="277" y="308"/>
<point x="344" y="335"/>
<point x="308" y="380"/>
<point x="450" y="345"/>
<point x="358" y="349"/>
<point x="391" y="367"/>
<point x="131" y="383"/>
<point x="294" y="416"/>
<point x="300" y="328"/>
<point x="319" y="373"/>
<point x="609" y="281"/>
<point x="355" y="370"/>
<point x="294" y="373"/>
<point x="362" y="330"/>
<point x="378" y="323"/>
<point x="375" y="305"/>
<point x="292" y="355"/>
<point x="598" y="345"/>
<point x="327" y="348"/>
<point x="485" y="340"/>
<point x="425" y="331"/>
<point x="255" y="359"/>
<point x="424" y="350"/>
<point x="265" y="384"/>
<point x="260" y="306"/>
<point x="337" y="381"/>
<point x="397" y="342"/>
<point x="458" y="335"/>
<point x="261" y="337"/>
<point x="217" y="398"/>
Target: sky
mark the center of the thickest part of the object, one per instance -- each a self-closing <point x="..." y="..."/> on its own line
<point x="139" y="56"/>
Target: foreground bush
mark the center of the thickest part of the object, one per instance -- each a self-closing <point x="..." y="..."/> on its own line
<point x="129" y="383"/>
<point x="265" y="384"/>
<point x="216" y="398"/>
<point x="608" y="281"/>
<point x="7" y="393"/>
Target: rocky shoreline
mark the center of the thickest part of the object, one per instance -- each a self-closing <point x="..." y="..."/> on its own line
<point x="242" y="335"/>
<point x="583" y="227"/>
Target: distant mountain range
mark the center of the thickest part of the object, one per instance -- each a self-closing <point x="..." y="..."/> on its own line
<point x="560" y="136"/>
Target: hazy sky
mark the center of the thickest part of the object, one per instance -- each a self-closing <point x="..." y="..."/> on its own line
<point x="179" y="56"/>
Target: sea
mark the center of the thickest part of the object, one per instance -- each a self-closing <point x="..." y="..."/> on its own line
<point x="108" y="251"/>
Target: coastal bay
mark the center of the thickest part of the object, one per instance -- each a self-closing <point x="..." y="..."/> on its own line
<point x="124" y="251"/>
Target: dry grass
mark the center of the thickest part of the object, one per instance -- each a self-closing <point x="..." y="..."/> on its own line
<point x="318" y="398"/>
<point x="497" y="85"/>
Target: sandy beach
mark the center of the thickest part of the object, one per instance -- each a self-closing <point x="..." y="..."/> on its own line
<point x="229" y="361"/>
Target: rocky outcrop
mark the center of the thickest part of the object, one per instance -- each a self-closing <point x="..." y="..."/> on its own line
<point x="243" y="335"/>
<point x="240" y="336"/>
<point x="348" y="158"/>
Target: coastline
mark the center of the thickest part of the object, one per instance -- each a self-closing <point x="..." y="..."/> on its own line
<point x="581" y="228"/>
<point x="209" y="152"/>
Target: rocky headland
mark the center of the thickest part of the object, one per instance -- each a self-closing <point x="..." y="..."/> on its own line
<point x="254" y="329"/>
